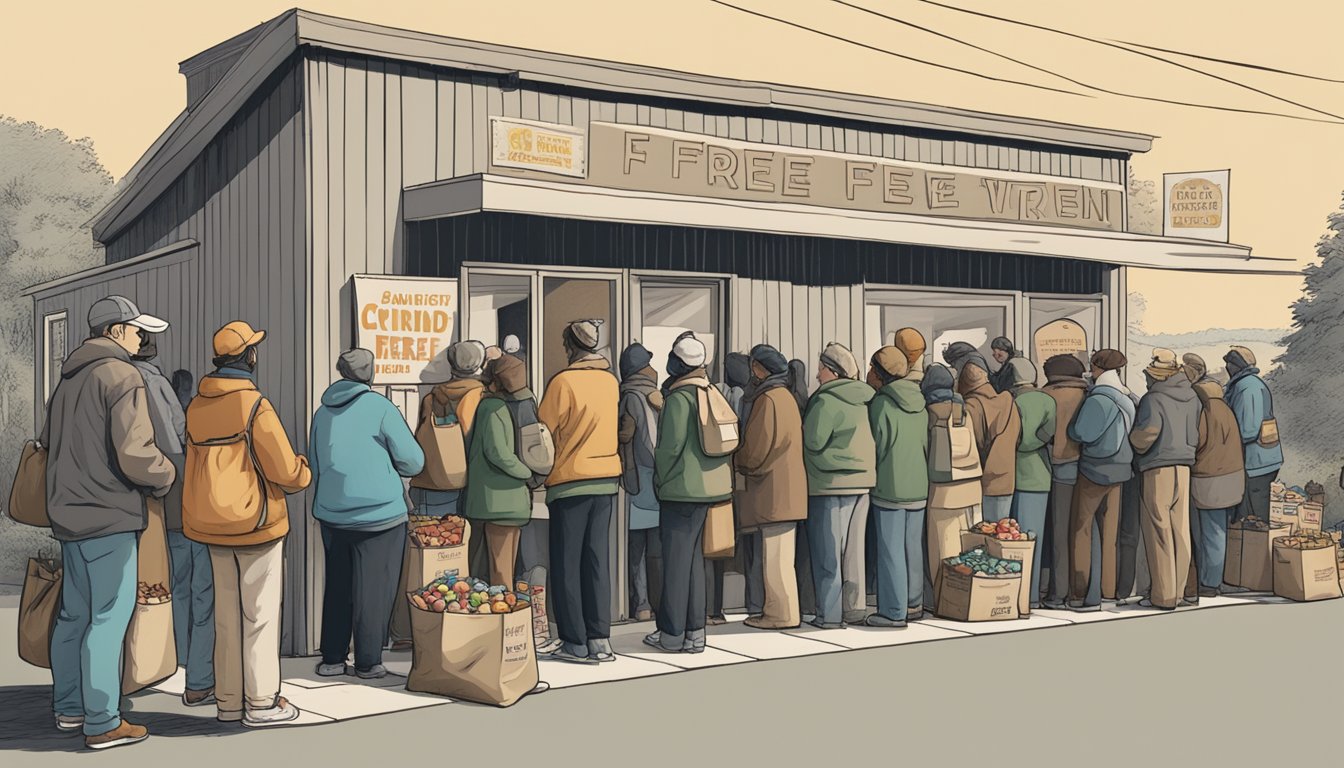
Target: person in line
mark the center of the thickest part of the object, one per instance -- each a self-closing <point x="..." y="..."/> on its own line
<point x="737" y="376"/>
<point x="641" y="401"/>
<point x="1101" y="429"/>
<point x="1004" y="353"/>
<point x="1031" y="495"/>
<point x="738" y="382"/>
<point x="234" y="503"/>
<point x="773" y="499"/>
<point x="997" y="427"/>
<point x="498" y="498"/>
<point x="952" y="503"/>
<point x="1165" y="437"/>
<point x="359" y="449"/>
<point x="580" y="408"/>
<point x="839" y="456"/>
<point x="1217" y="482"/>
<point x="457" y="399"/>
<point x="184" y="386"/>
<point x="192" y="588"/>
<point x="958" y="352"/>
<point x="1252" y="403"/>
<point x="1196" y="370"/>
<point x="102" y="460"/>
<point x="802" y="553"/>
<point x="900" y="423"/>
<point x="688" y="482"/>
<point x="1067" y="387"/>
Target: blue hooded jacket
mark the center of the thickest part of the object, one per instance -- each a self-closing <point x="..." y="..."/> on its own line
<point x="1252" y="404"/>
<point x="360" y="449"/>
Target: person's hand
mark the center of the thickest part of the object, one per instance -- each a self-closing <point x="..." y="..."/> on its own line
<point x="493" y="352"/>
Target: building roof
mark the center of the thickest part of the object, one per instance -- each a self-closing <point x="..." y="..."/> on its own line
<point x="269" y="45"/>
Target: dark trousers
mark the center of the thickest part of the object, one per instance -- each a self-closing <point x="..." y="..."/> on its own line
<point x="362" y="571"/>
<point x="682" y="530"/>
<point x="714" y="573"/>
<point x="1256" y="500"/>
<point x="1127" y="545"/>
<point x="580" y="571"/>
<point x="645" y="560"/>
<point x="750" y="545"/>
<point x="802" y="566"/>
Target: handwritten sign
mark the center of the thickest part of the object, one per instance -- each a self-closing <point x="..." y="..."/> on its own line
<point x="1061" y="337"/>
<point x="1196" y="205"/>
<point x="538" y="146"/>
<point x="407" y="323"/>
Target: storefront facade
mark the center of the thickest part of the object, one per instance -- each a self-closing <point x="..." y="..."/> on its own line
<point x="540" y="189"/>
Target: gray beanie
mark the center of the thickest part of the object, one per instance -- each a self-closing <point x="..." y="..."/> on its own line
<point x="466" y="357"/>
<point x="584" y="334"/>
<point x="1023" y="372"/>
<point x="356" y="365"/>
<point x="840" y="360"/>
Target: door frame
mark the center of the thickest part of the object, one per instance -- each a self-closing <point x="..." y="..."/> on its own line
<point x="723" y="282"/>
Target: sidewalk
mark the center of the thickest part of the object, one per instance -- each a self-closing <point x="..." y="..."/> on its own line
<point x="327" y="700"/>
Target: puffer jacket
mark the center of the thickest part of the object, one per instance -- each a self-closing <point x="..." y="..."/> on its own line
<point x="838" y="449"/>
<point x="1218" y="479"/>
<point x="580" y="409"/>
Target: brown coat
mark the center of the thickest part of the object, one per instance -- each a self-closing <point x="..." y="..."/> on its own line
<point x="997" y="427"/>
<point x="1068" y="395"/>
<point x="770" y="460"/>
<point x="1218" y="478"/>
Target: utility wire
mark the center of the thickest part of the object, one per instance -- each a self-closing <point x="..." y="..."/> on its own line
<point x="1052" y="73"/>
<point x="1229" y="62"/>
<point x="897" y="55"/>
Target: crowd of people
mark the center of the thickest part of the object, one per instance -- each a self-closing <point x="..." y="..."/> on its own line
<point x="846" y="498"/>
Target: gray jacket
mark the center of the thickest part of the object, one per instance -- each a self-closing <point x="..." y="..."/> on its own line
<point x="102" y="459"/>
<point x="1166" y="430"/>
<point x="170" y="434"/>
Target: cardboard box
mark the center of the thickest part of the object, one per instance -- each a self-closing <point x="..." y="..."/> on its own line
<point x="1305" y="575"/>
<point x="1276" y="490"/>
<point x="1284" y="513"/>
<point x="1022" y="551"/>
<point x="978" y="597"/>
<point x="421" y="566"/>
<point x="1250" y="557"/>
<point x="1309" y="516"/>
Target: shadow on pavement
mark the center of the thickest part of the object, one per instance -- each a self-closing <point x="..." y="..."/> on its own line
<point x="28" y="724"/>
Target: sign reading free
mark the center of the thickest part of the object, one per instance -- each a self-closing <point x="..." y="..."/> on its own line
<point x="407" y="323"/>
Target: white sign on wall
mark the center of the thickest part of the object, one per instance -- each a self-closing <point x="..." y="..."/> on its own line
<point x="407" y="323"/>
<point x="1195" y="205"/>
<point x="538" y="146"/>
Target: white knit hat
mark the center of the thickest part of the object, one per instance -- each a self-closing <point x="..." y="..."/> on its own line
<point x="690" y="351"/>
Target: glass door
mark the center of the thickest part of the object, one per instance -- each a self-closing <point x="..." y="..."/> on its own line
<point x="662" y="307"/>
<point x="1064" y="324"/>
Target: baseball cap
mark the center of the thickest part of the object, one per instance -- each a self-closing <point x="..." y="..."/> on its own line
<point x="235" y="337"/>
<point x="119" y="310"/>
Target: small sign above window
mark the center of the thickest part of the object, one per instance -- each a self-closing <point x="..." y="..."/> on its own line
<point x="536" y="146"/>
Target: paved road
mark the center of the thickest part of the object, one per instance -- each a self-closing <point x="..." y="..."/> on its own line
<point x="1234" y="687"/>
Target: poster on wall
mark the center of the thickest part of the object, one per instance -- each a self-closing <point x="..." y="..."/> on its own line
<point x="1061" y="337"/>
<point x="1196" y="205"/>
<point x="407" y="323"/>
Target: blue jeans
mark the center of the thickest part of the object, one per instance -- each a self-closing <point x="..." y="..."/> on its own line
<point x="828" y="519"/>
<point x="1211" y="546"/>
<point x="435" y="503"/>
<point x="996" y="508"/>
<point x="193" y="610"/>
<point x="97" y="599"/>
<point x="1029" y="510"/>
<point x="900" y="561"/>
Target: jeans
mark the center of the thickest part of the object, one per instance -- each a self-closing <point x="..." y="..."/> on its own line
<point x="580" y="578"/>
<point x="1212" y="545"/>
<point x="362" y="571"/>
<point x="193" y="609"/>
<point x="1256" y="500"/>
<point x="645" y="561"/>
<point x="97" y="599"/>
<point x="900" y="561"/>
<point x="829" y="522"/>
<point x="435" y="503"/>
<point x="1029" y="510"/>
<point x="681" y="527"/>
<point x="996" y="508"/>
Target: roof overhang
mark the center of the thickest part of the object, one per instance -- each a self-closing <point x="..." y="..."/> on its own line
<point x="505" y="194"/>
<point x="168" y="254"/>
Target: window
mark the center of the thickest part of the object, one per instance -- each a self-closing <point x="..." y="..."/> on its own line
<point x="942" y="318"/>
<point x="55" y="342"/>
<point x="667" y="310"/>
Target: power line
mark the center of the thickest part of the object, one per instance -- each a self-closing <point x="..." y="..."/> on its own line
<point x="897" y="55"/>
<point x="1155" y="57"/>
<point x="1230" y="62"/>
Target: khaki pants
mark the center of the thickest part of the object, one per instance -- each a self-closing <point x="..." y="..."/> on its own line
<point x="249" y="586"/>
<point x="502" y="542"/>
<point x="1090" y="500"/>
<point x="943" y="529"/>
<point x="778" y="542"/>
<point x="1166" y="532"/>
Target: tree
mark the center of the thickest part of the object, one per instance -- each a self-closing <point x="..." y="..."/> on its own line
<point x="1145" y="214"/>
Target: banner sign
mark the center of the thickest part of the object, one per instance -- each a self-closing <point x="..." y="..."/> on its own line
<point x="407" y="323"/>
<point x="1196" y="205"/>
<point x="538" y="147"/>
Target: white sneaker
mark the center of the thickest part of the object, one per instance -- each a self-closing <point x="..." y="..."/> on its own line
<point x="282" y="712"/>
<point x="69" y="723"/>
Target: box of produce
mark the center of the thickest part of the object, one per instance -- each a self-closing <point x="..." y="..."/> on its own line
<point x="450" y="531"/>
<point x="977" y="586"/>
<point x="425" y="561"/>
<point x="1004" y="530"/>
<point x="1306" y="567"/>
<point x="1006" y="541"/>
<point x="1250" y="553"/>
<point x="452" y="594"/>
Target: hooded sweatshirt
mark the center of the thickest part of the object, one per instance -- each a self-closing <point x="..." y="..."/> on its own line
<point x="580" y="407"/>
<point x="997" y="427"/>
<point x="169" y="418"/>
<point x="1166" y="430"/>
<point x="1068" y="393"/>
<point x="1252" y="404"/>
<point x="1101" y="429"/>
<point x="1037" y="412"/>
<point x="359" y="450"/>
<point x="838" y="449"/>
<point x="497" y="479"/>
<point x="1218" y="479"/>
<point x="900" y="425"/>
<point x="102" y="458"/>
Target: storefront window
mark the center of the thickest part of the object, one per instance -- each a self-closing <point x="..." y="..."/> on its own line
<point x="669" y="310"/>
<point x="941" y="325"/>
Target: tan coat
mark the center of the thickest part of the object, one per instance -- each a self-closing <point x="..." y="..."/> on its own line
<point x="1218" y="479"/>
<point x="770" y="460"/>
<point x="997" y="427"/>
<point x="1068" y="395"/>
<point x="579" y="408"/>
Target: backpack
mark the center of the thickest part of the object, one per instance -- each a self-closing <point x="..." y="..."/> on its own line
<point x="536" y="448"/>
<point x="234" y="502"/>
<point x="719" y="435"/>
<point x="952" y="450"/>
<point x="445" y="450"/>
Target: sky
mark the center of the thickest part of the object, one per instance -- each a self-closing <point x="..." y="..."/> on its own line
<point x="108" y="71"/>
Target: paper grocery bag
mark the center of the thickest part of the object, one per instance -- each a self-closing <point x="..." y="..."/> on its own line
<point x="720" y="534"/>
<point x="421" y="566"/>
<point x="1251" y="553"/>
<point x="149" y="654"/>
<point x="978" y="597"/>
<point x="1305" y="575"/>
<point x="1021" y="551"/>
<point x="484" y="658"/>
<point x="38" y="608"/>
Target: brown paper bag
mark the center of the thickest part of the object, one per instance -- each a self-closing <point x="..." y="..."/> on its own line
<point x="1306" y="574"/>
<point x="1250" y="557"/>
<point x="1022" y="551"/>
<point x="28" y="494"/>
<point x="978" y="597"/>
<point x="38" y="608"/>
<point x="485" y="658"/>
<point x="720" y="535"/>
<point x="421" y="566"/>
<point x="445" y="450"/>
<point x="149" y="655"/>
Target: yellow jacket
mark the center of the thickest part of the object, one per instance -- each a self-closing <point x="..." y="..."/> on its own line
<point x="580" y="409"/>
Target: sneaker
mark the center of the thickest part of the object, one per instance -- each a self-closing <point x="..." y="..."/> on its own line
<point x="695" y="642"/>
<point x="878" y="620"/>
<point x="655" y="640"/>
<point x="123" y="734"/>
<point x="601" y="650"/>
<point x="338" y="669"/>
<point x="1189" y="602"/>
<point x="1083" y="608"/>
<point x="549" y="647"/>
<point x="570" y="654"/>
<point x="282" y="712"/>
<point x="376" y="672"/>
<point x="760" y="622"/>
<point x="1232" y="589"/>
<point x="819" y="624"/>
<point x="1210" y="592"/>
<point x="199" y="698"/>
<point x="1055" y="605"/>
<point x="69" y="723"/>
<point x="914" y="615"/>
<point x="716" y="621"/>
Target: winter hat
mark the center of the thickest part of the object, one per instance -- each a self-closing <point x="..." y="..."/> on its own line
<point x="1163" y="365"/>
<point x="1003" y="345"/>
<point x="1238" y="358"/>
<point x="891" y="363"/>
<point x="509" y="373"/>
<point x="840" y="360"/>
<point x="690" y="351"/>
<point x="1023" y="372"/>
<point x="770" y="359"/>
<point x="956" y="352"/>
<point x="1064" y="367"/>
<point x="356" y="365"/>
<point x="1109" y="360"/>
<point x="911" y="342"/>
<point x="634" y="359"/>
<point x="1195" y="369"/>
<point x="938" y="379"/>
<point x="466" y="357"/>
<point x="737" y="369"/>
<point x="584" y="334"/>
<point x="511" y="344"/>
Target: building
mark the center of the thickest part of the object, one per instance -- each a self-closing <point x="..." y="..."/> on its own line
<point x="505" y="192"/>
